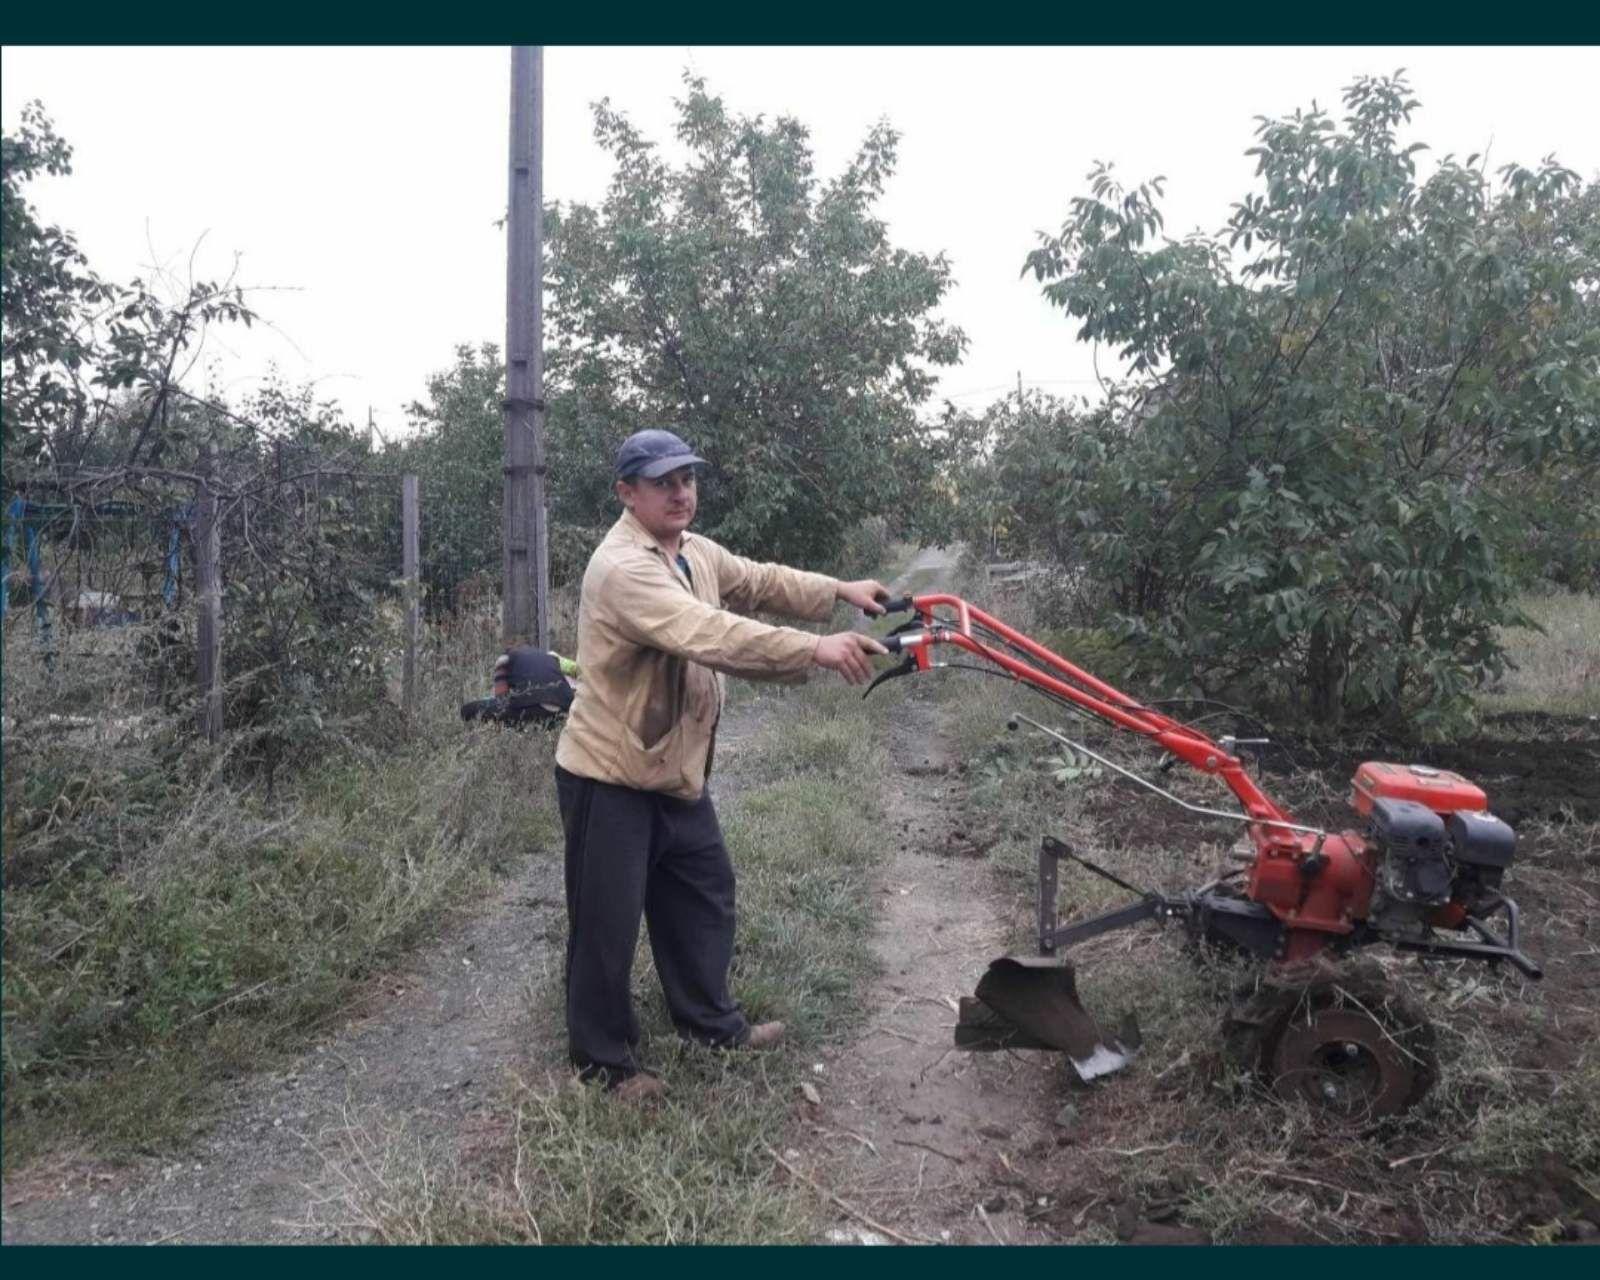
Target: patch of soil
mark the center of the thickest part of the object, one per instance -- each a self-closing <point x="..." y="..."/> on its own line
<point x="1271" y="1229"/>
<point x="1553" y="1192"/>
<point x="1549" y="769"/>
<point x="1529" y="776"/>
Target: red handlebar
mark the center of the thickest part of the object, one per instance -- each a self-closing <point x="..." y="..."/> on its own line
<point x="1066" y="680"/>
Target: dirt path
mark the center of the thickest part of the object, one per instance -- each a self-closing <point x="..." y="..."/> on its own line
<point x="919" y="1138"/>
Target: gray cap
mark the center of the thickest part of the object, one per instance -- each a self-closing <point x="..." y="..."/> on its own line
<point x="648" y="454"/>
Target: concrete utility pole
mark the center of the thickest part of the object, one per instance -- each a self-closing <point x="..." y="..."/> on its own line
<point x="526" y="607"/>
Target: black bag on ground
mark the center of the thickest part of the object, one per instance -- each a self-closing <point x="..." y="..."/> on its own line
<point x="529" y="688"/>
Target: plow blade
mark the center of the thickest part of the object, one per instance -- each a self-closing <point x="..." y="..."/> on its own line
<point x="1032" y="1003"/>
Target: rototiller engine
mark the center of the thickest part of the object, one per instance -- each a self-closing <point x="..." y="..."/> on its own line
<point x="1423" y="876"/>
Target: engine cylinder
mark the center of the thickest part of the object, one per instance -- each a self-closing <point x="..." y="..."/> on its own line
<point x="1411" y="839"/>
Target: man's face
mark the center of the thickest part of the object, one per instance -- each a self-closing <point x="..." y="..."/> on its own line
<point x="665" y="505"/>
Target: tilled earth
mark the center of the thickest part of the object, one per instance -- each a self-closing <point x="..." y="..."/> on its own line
<point x="1534" y="767"/>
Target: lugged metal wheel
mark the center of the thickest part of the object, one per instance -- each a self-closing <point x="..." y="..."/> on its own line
<point x="1344" y="1063"/>
<point x="1337" y="1039"/>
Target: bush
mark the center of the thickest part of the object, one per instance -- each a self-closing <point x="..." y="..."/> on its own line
<point x="1313" y="486"/>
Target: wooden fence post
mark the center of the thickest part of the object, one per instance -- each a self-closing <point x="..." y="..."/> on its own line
<point x="208" y="590"/>
<point x="410" y="521"/>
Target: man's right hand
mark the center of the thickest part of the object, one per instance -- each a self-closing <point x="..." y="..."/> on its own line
<point x="846" y="652"/>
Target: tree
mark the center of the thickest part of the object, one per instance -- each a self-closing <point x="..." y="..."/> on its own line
<point x="45" y="290"/>
<point x="72" y="340"/>
<point x="1308" y="484"/>
<point x="306" y="563"/>
<point x="762" y="312"/>
<point x="456" y="450"/>
<point x="104" y="433"/>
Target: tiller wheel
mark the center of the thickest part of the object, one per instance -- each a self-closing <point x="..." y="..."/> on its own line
<point x="1342" y="1062"/>
<point x="1423" y="875"/>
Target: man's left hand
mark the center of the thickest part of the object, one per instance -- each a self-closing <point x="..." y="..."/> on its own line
<point x="865" y="594"/>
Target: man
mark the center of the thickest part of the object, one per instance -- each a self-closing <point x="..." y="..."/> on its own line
<point x="654" y="642"/>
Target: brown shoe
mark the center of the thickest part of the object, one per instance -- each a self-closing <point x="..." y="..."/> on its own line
<point x="640" y="1088"/>
<point x="764" y="1035"/>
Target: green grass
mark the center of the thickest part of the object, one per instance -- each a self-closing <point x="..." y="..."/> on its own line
<point x="1556" y="670"/>
<point x="579" y="1168"/>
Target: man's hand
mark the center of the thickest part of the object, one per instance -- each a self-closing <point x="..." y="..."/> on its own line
<point x="864" y="594"/>
<point x="846" y="652"/>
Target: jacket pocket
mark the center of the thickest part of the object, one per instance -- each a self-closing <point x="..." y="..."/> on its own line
<point x="659" y="705"/>
<point x="702" y="698"/>
<point x="657" y="767"/>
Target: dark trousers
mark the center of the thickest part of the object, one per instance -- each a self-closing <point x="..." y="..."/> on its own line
<point x="633" y="853"/>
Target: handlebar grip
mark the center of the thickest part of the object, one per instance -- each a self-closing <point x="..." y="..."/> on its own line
<point x="899" y="604"/>
<point x="891" y="643"/>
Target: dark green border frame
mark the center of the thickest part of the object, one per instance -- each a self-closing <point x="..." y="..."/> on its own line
<point x="751" y="22"/>
<point x="1424" y="22"/>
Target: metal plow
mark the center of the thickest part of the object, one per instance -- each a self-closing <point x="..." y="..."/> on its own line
<point x="1031" y="1002"/>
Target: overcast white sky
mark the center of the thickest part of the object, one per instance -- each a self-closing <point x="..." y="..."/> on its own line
<point x="365" y="183"/>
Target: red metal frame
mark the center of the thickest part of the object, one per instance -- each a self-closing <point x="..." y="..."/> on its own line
<point x="1318" y="885"/>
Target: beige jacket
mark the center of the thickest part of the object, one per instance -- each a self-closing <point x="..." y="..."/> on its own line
<point x="651" y="646"/>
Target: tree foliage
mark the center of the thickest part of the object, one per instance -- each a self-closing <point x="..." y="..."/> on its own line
<point x="308" y="563"/>
<point x="759" y="310"/>
<point x="72" y="340"/>
<point x="1346" y="411"/>
<point x="45" y="285"/>
<point x="455" y="448"/>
